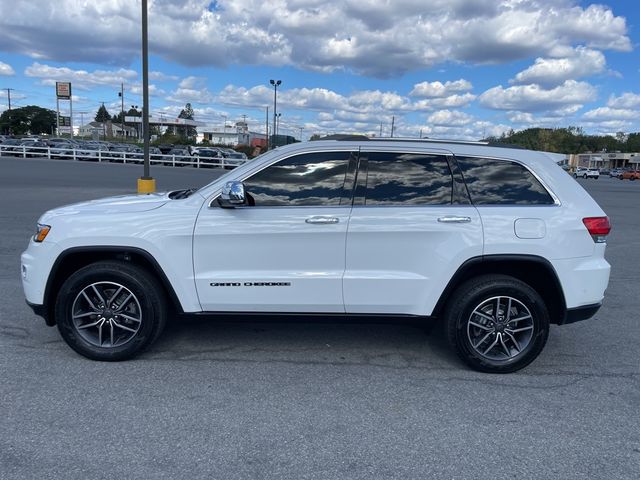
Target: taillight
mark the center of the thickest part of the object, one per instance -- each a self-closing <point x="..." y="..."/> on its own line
<point x="598" y="227"/>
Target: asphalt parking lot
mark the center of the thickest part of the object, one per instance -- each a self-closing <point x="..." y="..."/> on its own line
<point x="303" y="400"/>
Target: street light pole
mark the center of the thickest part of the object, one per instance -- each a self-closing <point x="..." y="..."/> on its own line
<point x="278" y="123"/>
<point x="276" y="84"/>
<point x="146" y="184"/>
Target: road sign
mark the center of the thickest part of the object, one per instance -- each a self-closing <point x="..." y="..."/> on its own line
<point x="63" y="90"/>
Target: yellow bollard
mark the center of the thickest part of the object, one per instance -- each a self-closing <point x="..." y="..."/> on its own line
<point x="146" y="185"/>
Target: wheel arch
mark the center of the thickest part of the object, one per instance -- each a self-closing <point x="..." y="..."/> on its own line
<point x="74" y="258"/>
<point x="535" y="271"/>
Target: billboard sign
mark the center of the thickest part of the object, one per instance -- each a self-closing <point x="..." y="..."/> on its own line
<point x="63" y="90"/>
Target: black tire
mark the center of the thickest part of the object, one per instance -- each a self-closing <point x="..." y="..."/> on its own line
<point x="584" y="176"/>
<point x="476" y="292"/>
<point x="147" y="292"/>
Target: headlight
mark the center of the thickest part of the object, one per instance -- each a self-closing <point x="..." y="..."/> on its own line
<point x="41" y="232"/>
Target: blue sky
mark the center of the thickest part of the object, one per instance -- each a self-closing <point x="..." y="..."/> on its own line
<point x="443" y="68"/>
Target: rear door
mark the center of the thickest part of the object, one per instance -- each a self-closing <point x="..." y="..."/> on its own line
<point x="411" y="227"/>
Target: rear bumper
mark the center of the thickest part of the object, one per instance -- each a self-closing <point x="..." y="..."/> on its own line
<point x="580" y="313"/>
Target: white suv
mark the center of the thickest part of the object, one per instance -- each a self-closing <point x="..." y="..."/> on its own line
<point x="585" y="172"/>
<point x="496" y="242"/>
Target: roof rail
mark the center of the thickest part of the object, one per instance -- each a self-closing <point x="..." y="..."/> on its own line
<point x="357" y="138"/>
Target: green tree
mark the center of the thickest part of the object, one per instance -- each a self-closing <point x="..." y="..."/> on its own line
<point x="187" y="113"/>
<point x="119" y="118"/>
<point x="31" y="119"/>
<point x="102" y="115"/>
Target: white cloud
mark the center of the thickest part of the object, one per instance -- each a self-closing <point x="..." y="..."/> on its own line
<point x="438" y="89"/>
<point x="550" y="72"/>
<point x="364" y="36"/>
<point x="607" y="113"/>
<point x="162" y="77"/>
<point x="80" y="78"/>
<point x="571" y="95"/>
<point x="154" y="91"/>
<point x="6" y="69"/>
<point x="450" y="118"/>
<point x="626" y="100"/>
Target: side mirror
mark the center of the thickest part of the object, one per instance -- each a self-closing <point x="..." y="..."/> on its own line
<point x="232" y="195"/>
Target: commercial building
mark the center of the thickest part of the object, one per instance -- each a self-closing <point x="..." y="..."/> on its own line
<point x="604" y="160"/>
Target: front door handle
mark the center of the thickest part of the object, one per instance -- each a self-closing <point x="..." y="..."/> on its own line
<point x="322" y="220"/>
<point x="454" y="219"/>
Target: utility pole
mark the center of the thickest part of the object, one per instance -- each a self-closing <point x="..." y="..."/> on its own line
<point x="9" y="104"/>
<point x="393" y="121"/>
<point x="380" y="129"/>
<point x="121" y="94"/>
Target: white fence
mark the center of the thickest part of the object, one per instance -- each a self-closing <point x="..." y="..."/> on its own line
<point x="63" y="153"/>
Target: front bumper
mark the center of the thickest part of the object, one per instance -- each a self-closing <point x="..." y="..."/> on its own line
<point x="41" y="311"/>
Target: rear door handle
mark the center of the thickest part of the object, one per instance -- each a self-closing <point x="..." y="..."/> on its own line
<point x="454" y="219"/>
<point x="322" y="220"/>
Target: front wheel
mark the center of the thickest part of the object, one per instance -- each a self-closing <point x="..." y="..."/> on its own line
<point x="110" y="311"/>
<point x="497" y="323"/>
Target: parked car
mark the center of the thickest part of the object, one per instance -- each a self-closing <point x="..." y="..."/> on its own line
<point x="62" y="147"/>
<point x="630" y="175"/>
<point x="38" y="148"/>
<point x="119" y="152"/>
<point x="604" y="171"/>
<point x="181" y="155"/>
<point x="493" y="242"/>
<point x="155" y="153"/>
<point x="586" y="173"/>
<point x="614" y="172"/>
<point x="208" y="157"/>
<point x="9" y="147"/>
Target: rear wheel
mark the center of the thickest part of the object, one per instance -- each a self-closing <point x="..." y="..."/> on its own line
<point x="110" y="311"/>
<point x="497" y="323"/>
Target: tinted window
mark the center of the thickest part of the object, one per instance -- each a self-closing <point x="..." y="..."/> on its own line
<point x="312" y="179"/>
<point x="408" y="179"/>
<point x="500" y="182"/>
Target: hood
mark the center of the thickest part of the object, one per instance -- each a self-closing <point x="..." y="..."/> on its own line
<point x="119" y="204"/>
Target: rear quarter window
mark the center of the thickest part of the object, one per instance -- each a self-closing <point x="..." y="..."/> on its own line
<point x="501" y="182"/>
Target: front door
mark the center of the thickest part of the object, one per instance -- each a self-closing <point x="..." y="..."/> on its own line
<point x="284" y="251"/>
